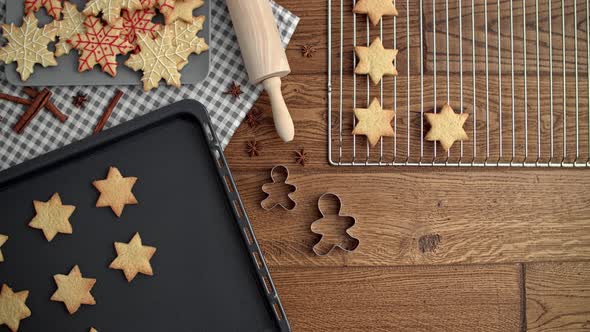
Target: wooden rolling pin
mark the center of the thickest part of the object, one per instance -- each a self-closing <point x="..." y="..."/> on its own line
<point x="263" y="55"/>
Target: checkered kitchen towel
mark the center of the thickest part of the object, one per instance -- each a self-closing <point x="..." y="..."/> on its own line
<point x="45" y="133"/>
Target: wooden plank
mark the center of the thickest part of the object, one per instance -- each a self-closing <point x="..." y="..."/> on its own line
<point x="312" y="30"/>
<point x="434" y="217"/>
<point x="470" y="298"/>
<point x="505" y="46"/>
<point x="558" y="296"/>
<point x="306" y="96"/>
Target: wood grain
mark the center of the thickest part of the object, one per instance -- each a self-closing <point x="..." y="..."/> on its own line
<point x="572" y="22"/>
<point x="425" y="218"/>
<point x="473" y="298"/>
<point x="481" y="217"/>
<point x="307" y="98"/>
<point x="558" y="296"/>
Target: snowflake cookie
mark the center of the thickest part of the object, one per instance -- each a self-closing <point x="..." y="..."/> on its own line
<point x="27" y="46"/>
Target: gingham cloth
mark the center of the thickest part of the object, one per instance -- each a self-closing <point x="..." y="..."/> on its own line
<point x="45" y="133"/>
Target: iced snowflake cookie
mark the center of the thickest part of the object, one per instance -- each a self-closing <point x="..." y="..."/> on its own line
<point x="71" y="24"/>
<point x="159" y="59"/>
<point x="27" y="46"/>
<point x="110" y="9"/>
<point x="100" y="45"/>
<point x="183" y="10"/>
<point x="185" y="34"/>
<point x="53" y="7"/>
<point x="139" y="21"/>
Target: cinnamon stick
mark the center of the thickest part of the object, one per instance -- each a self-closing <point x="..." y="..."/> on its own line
<point x="108" y="111"/>
<point x="15" y="99"/>
<point x="31" y="92"/>
<point x="38" y="103"/>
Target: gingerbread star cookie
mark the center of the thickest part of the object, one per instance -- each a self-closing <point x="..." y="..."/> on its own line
<point x="52" y="217"/>
<point x="73" y="290"/>
<point x="376" y="61"/>
<point x="133" y="258"/>
<point x="53" y="7"/>
<point x="375" y="9"/>
<point x="100" y="45"/>
<point x="374" y="122"/>
<point x="27" y="46"/>
<point x="115" y="191"/>
<point x="110" y="9"/>
<point x="183" y="10"/>
<point x="3" y="239"/>
<point x="446" y="127"/>
<point x="72" y="23"/>
<point x="159" y="59"/>
<point x="13" y="308"/>
<point x="185" y="34"/>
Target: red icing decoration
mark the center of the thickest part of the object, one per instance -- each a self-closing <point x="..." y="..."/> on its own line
<point x="138" y="21"/>
<point x="53" y="7"/>
<point x="100" y="45"/>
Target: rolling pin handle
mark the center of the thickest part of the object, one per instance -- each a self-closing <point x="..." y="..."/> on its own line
<point x="282" y="118"/>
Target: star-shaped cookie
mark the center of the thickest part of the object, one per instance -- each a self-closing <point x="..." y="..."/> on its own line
<point x="27" y="46"/>
<point x="13" y="308"/>
<point x="115" y="191"/>
<point x="73" y="290"/>
<point x="374" y="122"/>
<point x="183" y="10"/>
<point x="3" y="239"/>
<point x="52" y="217"/>
<point x="375" y="9"/>
<point x="376" y="61"/>
<point x="133" y="258"/>
<point x="446" y="127"/>
<point x="71" y="24"/>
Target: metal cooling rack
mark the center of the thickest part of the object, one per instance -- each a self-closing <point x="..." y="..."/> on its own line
<point x="519" y="68"/>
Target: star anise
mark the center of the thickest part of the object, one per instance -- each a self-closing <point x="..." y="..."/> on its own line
<point x="80" y="100"/>
<point x="308" y="50"/>
<point x="234" y="90"/>
<point x="301" y="157"/>
<point x="253" y="118"/>
<point x="253" y="148"/>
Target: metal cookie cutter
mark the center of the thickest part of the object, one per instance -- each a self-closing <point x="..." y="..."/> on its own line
<point x="333" y="227"/>
<point x="279" y="187"/>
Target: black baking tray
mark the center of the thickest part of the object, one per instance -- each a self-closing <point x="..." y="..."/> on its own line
<point x="209" y="273"/>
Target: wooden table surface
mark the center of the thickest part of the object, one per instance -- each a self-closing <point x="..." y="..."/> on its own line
<point x="440" y="249"/>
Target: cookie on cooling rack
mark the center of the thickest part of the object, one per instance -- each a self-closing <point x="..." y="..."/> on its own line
<point x="446" y="127"/>
<point x="374" y="122"/>
<point x="375" y="9"/>
<point x="376" y="61"/>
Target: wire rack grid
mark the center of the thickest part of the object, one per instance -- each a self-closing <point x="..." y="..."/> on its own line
<point x="518" y="68"/>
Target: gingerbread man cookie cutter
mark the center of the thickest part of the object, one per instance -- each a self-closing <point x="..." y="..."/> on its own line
<point x="330" y="206"/>
<point x="279" y="191"/>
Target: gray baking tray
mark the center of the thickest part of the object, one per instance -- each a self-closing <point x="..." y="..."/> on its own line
<point x="66" y="72"/>
<point x="209" y="273"/>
